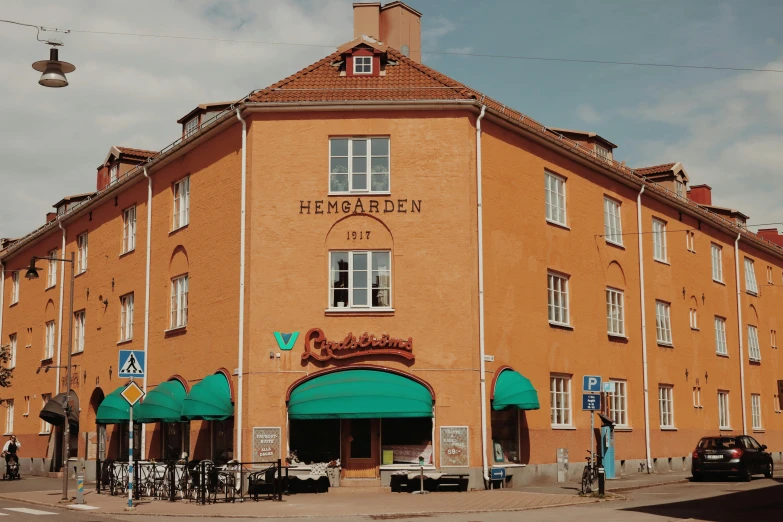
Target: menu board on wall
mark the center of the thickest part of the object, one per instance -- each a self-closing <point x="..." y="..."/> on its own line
<point x="266" y="445"/>
<point x="454" y="446"/>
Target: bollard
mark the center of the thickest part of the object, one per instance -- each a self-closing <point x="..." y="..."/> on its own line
<point x="80" y="487"/>
<point x="601" y="480"/>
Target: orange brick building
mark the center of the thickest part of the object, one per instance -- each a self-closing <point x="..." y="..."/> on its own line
<point x="483" y="254"/>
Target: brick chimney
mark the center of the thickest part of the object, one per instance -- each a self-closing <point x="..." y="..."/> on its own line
<point x="395" y="24"/>
<point x="701" y="194"/>
<point x="771" y="234"/>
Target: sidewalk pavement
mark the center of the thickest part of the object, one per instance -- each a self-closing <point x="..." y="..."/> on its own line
<point x="344" y="504"/>
<point x="624" y="483"/>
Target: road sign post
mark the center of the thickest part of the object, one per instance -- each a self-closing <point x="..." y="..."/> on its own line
<point x="132" y="394"/>
<point x="591" y="401"/>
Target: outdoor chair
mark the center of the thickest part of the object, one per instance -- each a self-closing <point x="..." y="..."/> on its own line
<point x="262" y="482"/>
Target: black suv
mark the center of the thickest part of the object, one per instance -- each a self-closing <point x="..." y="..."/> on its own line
<point x="742" y="456"/>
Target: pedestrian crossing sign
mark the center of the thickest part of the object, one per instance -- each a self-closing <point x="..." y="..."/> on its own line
<point x="131" y="364"/>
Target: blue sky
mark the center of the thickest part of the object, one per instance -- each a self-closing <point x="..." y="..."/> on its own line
<point x="726" y="127"/>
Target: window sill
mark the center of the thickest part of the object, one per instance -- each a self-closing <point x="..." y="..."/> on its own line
<point x="750" y="292"/>
<point x="668" y="428"/>
<point x="623" y="428"/>
<point x="754" y="361"/>
<point x="367" y="193"/>
<point x="176" y="330"/>
<point x="555" y="427"/>
<point x="123" y="254"/>
<point x="662" y="261"/>
<point x="718" y="281"/>
<point x="44" y="433"/>
<point x="78" y="353"/>
<point x="724" y="428"/>
<point x="13" y="304"/>
<point x="558" y="225"/>
<point x="563" y="326"/>
<point x="125" y="341"/>
<point x="617" y="337"/>
<point x="80" y="274"/>
<point x="359" y="311"/>
<point x="174" y="231"/>
<point x="665" y="345"/>
<point x="759" y="430"/>
<point x="47" y="359"/>
<point x="722" y="355"/>
<point x="695" y="329"/>
<point x="50" y="287"/>
<point x="615" y="244"/>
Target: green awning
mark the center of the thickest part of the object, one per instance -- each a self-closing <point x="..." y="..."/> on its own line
<point x="359" y="394"/>
<point x="162" y="404"/>
<point x="114" y="409"/>
<point x="514" y="389"/>
<point x="210" y="399"/>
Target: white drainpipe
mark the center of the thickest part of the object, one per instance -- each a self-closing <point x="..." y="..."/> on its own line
<point x="147" y="303"/>
<point x="2" y="302"/>
<point x="60" y="320"/>
<point x="739" y="328"/>
<point x="644" y="329"/>
<point x="481" y="298"/>
<point x="241" y="347"/>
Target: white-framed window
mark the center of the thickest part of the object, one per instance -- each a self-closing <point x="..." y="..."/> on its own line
<point x="49" y="340"/>
<point x="724" y="422"/>
<point x="773" y="338"/>
<point x="679" y="188"/>
<point x="51" y="276"/>
<point x="555" y="192"/>
<point x="45" y="426"/>
<point x="690" y="241"/>
<point x="128" y="229"/>
<point x="78" y="331"/>
<point x="663" y="323"/>
<point x="755" y="411"/>
<point x="557" y="291"/>
<point x="26" y="406"/>
<point x="29" y="342"/>
<point x="754" y="351"/>
<point x="693" y="315"/>
<point x="12" y="351"/>
<point x="750" y="277"/>
<point x="666" y="405"/>
<point x="720" y="336"/>
<point x="697" y="397"/>
<point x="191" y="126"/>
<point x="359" y="279"/>
<point x="615" y="311"/>
<point x="179" y="302"/>
<point x="9" y="416"/>
<point x="769" y="274"/>
<point x="659" y="240"/>
<point x="359" y="165"/>
<point x="362" y="64"/>
<point x="560" y="400"/>
<point x="15" y="287"/>
<point x="717" y="262"/>
<point x="618" y="403"/>
<point x="114" y="173"/>
<point x="602" y="151"/>
<point x="613" y="226"/>
<point x="776" y="403"/>
<point x="181" y="216"/>
<point x="126" y="317"/>
<point x="81" y="257"/>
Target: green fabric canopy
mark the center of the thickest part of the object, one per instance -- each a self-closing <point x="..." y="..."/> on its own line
<point x="359" y="394"/>
<point x="514" y="389"/>
<point x="114" y="409"/>
<point x="210" y="399"/>
<point x="162" y="404"/>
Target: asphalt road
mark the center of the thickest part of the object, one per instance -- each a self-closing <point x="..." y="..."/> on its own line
<point x="722" y="501"/>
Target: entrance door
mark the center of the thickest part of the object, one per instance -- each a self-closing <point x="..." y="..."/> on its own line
<point x="360" y="448"/>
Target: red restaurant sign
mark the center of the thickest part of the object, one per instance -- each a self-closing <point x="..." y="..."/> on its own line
<point x="319" y="348"/>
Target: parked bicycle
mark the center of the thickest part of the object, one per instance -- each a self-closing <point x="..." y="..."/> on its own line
<point x="589" y="475"/>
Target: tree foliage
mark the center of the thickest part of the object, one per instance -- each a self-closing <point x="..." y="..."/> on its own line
<point x="5" y="372"/>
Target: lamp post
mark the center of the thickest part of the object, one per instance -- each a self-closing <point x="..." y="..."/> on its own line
<point x="32" y="273"/>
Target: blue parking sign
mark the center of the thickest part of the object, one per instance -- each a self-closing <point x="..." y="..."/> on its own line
<point x="591" y="401"/>
<point x="591" y="383"/>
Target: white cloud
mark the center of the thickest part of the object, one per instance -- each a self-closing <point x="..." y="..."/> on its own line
<point x="588" y="114"/>
<point x="131" y="90"/>
<point x="728" y="133"/>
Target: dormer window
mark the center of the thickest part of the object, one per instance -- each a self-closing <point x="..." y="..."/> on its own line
<point x="191" y="126"/>
<point x="679" y="188"/>
<point x="113" y="171"/>
<point x="602" y="152"/>
<point x="362" y="64"/>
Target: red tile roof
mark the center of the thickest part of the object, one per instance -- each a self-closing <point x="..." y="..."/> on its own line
<point x="138" y="153"/>
<point x="657" y="169"/>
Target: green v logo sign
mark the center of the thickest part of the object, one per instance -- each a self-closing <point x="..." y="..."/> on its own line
<point x="286" y="341"/>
